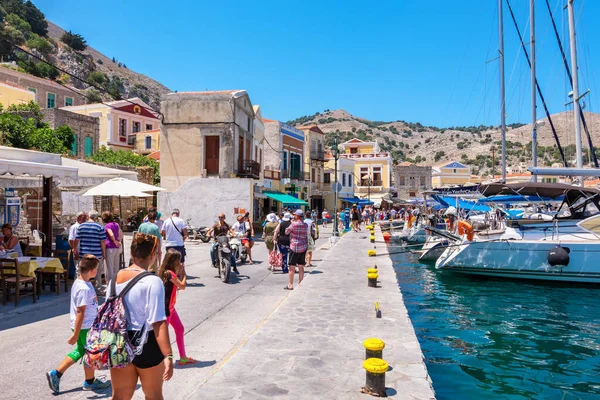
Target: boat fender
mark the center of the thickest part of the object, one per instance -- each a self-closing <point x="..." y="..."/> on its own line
<point x="559" y="256"/>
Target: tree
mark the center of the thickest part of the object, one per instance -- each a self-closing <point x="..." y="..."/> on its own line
<point x="36" y="19"/>
<point x="74" y="41"/>
<point x="126" y="159"/>
<point x="96" y="78"/>
<point x="40" y="44"/>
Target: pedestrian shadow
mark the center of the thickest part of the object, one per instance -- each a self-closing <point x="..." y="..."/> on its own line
<point x="195" y="285"/>
<point x="99" y="394"/>
<point x="235" y="279"/>
<point x="199" y="364"/>
<point x="315" y="272"/>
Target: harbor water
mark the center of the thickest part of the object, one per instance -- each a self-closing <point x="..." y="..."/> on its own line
<point x="502" y="339"/>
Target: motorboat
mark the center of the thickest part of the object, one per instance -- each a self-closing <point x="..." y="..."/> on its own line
<point x="526" y="250"/>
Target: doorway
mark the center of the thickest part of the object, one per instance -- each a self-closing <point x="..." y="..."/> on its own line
<point x="211" y="155"/>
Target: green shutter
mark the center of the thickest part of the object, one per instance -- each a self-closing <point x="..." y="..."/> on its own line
<point x="68" y="101"/>
<point x="51" y="100"/>
<point x="88" y="146"/>
<point x="74" y="146"/>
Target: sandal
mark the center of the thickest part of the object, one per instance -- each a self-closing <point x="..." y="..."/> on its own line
<point x="287" y="288"/>
<point x="186" y="361"/>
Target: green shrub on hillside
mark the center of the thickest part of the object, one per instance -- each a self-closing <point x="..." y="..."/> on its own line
<point x="40" y="44"/>
<point x="74" y="41"/>
<point x="97" y="78"/>
<point x="17" y="22"/>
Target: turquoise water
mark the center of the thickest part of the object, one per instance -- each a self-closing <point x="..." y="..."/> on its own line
<point x="502" y="339"/>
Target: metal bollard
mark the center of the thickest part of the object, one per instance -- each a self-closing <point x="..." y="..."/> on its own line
<point x="374" y="347"/>
<point x="372" y="279"/>
<point x="375" y="382"/>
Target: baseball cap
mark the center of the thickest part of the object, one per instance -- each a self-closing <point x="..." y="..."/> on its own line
<point x="299" y="213"/>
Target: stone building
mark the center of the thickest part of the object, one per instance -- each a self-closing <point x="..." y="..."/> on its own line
<point x="314" y="159"/>
<point x="48" y="94"/>
<point x="207" y="154"/>
<point x="85" y="128"/>
<point x="410" y="179"/>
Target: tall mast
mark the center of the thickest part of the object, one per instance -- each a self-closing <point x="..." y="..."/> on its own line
<point x="576" y="108"/>
<point x="502" y="91"/>
<point x="533" y="87"/>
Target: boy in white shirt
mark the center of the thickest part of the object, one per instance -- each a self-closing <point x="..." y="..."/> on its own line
<point x="84" y="307"/>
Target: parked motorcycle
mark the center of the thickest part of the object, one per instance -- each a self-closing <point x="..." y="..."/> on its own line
<point x="238" y="249"/>
<point x="196" y="233"/>
<point x="133" y="222"/>
<point x="223" y="258"/>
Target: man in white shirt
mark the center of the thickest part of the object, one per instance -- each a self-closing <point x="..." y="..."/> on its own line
<point x="175" y="233"/>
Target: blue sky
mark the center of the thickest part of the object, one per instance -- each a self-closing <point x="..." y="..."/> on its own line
<point x="420" y="61"/>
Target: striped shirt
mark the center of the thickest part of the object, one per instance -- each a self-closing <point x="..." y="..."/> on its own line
<point x="90" y="236"/>
<point x="298" y="232"/>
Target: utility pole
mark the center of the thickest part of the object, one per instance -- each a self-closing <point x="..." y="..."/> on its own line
<point x="336" y="156"/>
<point x="502" y="89"/>
<point x="576" y="106"/>
<point x="533" y="88"/>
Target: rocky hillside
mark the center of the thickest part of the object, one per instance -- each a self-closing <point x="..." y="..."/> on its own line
<point x="429" y="145"/>
<point x="22" y="24"/>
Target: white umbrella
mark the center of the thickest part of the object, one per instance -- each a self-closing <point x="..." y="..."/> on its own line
<point x="122" y="187"/>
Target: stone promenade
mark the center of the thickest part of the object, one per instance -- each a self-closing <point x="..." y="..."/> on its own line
<point x="311" y="346"/>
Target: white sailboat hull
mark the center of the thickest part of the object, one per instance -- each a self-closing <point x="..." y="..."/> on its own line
<point x="525" y="259"/>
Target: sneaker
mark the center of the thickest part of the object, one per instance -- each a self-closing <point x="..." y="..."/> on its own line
<point x="186" y="361"/>
<point x="53" y="380"/>
<point x="96" y="385"/>
<point x="236" y="270"/>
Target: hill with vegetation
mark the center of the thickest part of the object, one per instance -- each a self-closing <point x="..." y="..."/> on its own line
<point x="22" y="24"/>
<point x="471" y="145"/>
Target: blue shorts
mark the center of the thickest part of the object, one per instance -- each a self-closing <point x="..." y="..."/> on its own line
<point x="180" y="249"/>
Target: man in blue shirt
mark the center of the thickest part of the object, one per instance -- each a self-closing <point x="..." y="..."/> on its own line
<point x="91" y="239"/>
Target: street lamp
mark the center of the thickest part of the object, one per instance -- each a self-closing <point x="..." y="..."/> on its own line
<point x="335" y="151"/>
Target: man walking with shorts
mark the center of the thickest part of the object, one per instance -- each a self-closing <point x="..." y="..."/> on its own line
<point x="298" y="232"/>
<point x="175" y="233"/>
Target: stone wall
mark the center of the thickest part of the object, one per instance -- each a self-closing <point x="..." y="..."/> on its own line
<point x="202" y="199"/>
<point x="411" y="179"/>
<point x="83" y="126"/>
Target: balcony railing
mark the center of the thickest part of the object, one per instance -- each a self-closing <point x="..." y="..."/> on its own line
<point x="249" y="169"/>
<point x="317" y="154"/>
<point x="272" y="174"/>
<point x="372" y="183"/>
<point x="294" y="174"/>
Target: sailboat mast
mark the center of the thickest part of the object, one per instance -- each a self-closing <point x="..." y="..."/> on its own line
<point x="576" y="108"/>
<point x="533" y="87"/>
<point x="502" y="90"/>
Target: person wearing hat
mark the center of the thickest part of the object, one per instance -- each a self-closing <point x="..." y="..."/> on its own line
<point x="268" y="234"/>
<point x="282" y="239"/>
<point x="298" y="232"/>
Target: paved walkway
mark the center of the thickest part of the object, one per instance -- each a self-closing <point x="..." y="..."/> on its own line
<point x="311" y="346"/>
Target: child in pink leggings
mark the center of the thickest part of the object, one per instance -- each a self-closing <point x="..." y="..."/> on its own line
<point x="168" y="273"/>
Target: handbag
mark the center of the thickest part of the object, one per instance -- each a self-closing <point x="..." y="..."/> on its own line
<point x="275" y="258"/>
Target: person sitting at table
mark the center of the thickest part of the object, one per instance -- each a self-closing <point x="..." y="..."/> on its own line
<point x="10" y="243"/>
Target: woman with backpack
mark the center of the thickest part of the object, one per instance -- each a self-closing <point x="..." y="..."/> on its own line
<point x="146" y="325"/>
<point x="282" y="240"/>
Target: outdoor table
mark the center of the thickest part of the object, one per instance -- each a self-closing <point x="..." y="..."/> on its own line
<point x="28" y="266"/>
<point x="35" y="249"/>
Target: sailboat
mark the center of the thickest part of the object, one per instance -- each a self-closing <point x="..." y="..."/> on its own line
<point x="565" y="250"/>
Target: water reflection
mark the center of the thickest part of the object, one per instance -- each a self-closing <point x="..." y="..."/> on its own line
<point x="486" y="338"/>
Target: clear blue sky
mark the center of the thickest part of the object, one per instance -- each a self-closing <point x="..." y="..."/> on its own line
<point x="419" y="61"/>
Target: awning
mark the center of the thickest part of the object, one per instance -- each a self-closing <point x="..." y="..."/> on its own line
<point x="28" y="168"/>
<point x="285" y="198"/>
<point x="447" y="201"/>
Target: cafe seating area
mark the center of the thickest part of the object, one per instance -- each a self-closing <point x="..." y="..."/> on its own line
<point x="31" y="275"/>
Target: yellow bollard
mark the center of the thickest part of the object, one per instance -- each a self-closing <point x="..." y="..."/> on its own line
<point x="372" y="279"/>
<point x="371" y="253"/>
<point x="372" y="271"/>
<point x="372" y="239"/>
<point x="374" y="347"/>
<point x="375" y="382"/>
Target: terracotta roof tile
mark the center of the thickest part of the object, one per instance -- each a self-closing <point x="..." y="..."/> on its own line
<point x="155" y="155"/>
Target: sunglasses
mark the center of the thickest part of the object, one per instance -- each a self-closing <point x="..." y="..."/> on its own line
<point x="221" y="217"/>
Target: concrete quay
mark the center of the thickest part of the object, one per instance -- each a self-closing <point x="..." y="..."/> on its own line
<point x="311" y="346"/>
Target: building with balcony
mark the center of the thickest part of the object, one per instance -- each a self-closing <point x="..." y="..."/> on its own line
<point x="284" y="152"/>
<point x="346" y="178"/>
<point x="120" y="121"/>
<point x="209" y="157"/>
<point x="47" y="93"/>
<point x="146" y="142"/>
<point x="314" y="159"/>
<point x="411" y="180"/>
<point x="372" y="169"/>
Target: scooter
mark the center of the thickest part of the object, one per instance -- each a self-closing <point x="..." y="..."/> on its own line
<point x="223" y="258"/>
<point x="133" y="223"/>
<point x="196" y="233"/>
<point x="238" y="249"/>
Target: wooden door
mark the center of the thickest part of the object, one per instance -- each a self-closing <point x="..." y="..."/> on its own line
<point x="211" y="155"/>
<point x="241" y="154"/>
